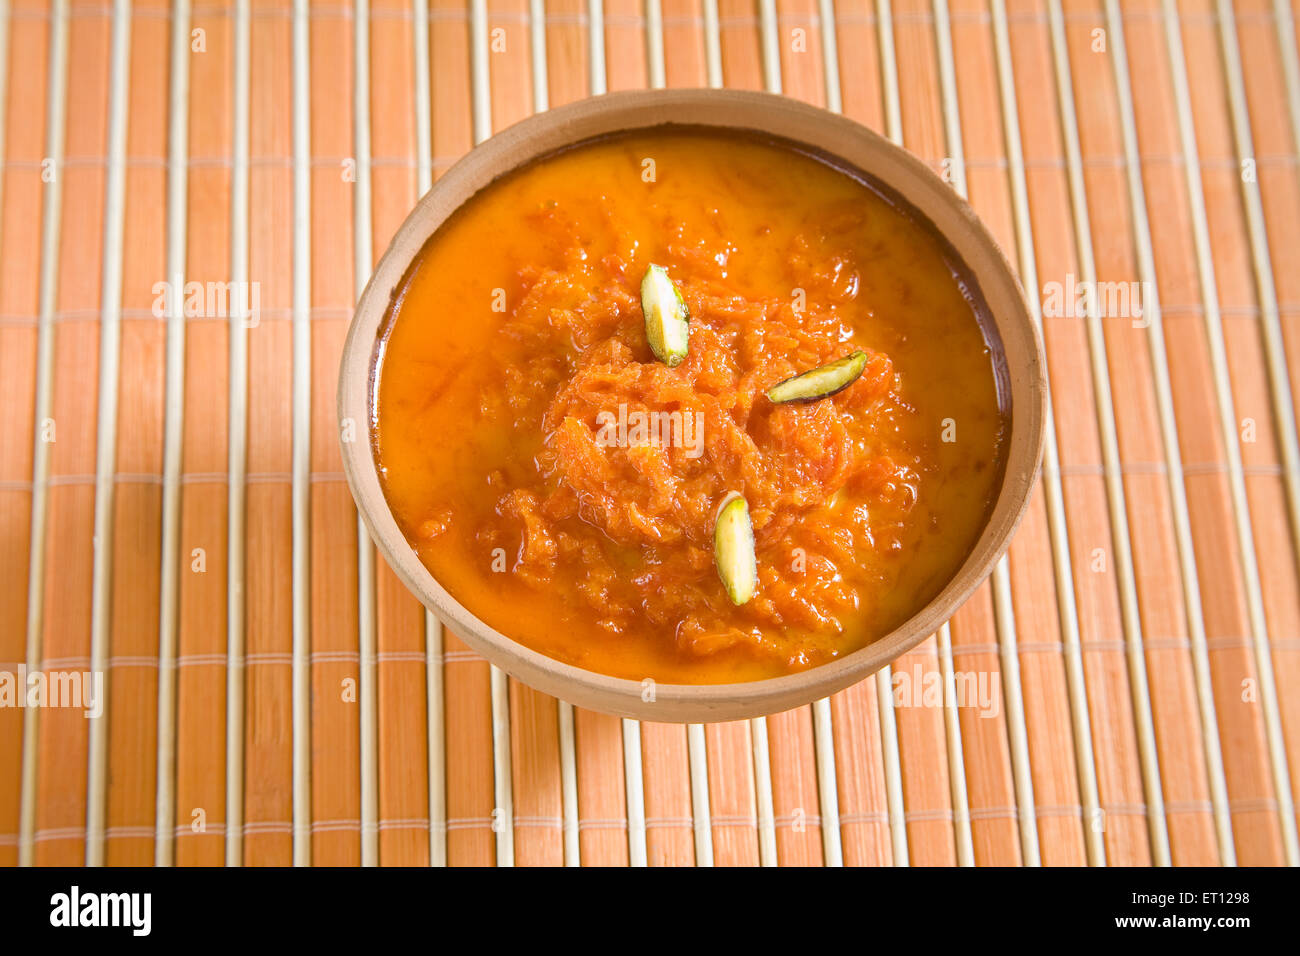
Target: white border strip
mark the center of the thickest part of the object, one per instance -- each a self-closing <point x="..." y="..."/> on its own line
<point x="712" y="44"/>
<point x="301" y="435"/>
<point x="1227" y="422"/>
<point x="503" y="813"/>
<point x="632" y="769"/>
<point x="698" y="754"/>
<point x="771" y="45"/>
<point x="956" y="756"/>
<point x="173" y="430"/>
<point x="763" y="791"/>
<point x="654" y="40"/>
<point x="1172" y="448"/>
<point x="110" y="339"/>
<point x="363" y="258"/>
<point x="237" y="517"/>
<point x="595" y="46"/>
<point x="436" y="734"/>
<point x="1112" y="463"/>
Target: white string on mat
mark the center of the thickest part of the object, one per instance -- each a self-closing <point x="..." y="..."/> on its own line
<point x="1227" y="423"/>
<point x="1112" y="462"/>
<point x="237" y="452"/>
<point x="436" y="739"/>
<point x="302" y="849"/>
<point x="173" y="431"/>
<point x="110" y="339"/>
<point x="363" y="259"/>
<point x="503" y="812"/>
<point x="1169" y="434"/>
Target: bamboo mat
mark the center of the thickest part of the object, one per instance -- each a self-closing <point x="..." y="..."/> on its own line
<point x="173" y="513"/>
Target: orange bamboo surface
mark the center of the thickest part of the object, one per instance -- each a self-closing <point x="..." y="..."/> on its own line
<point x="174" y="514"/>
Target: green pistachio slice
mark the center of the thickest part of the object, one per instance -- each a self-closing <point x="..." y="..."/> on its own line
<point x="667" y="320"/>
<point x="733" y="549"/>
<point x="820" y="382"/>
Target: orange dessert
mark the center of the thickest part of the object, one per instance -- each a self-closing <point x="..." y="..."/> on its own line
<point x="563" y="476"/>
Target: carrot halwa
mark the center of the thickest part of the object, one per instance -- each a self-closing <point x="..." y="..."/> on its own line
<point x="563" y="484"/>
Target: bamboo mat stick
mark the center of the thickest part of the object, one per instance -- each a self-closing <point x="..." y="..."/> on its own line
<point x="666" y="800"/>
<point x="110" y="341"/>
<point x="1283" y="405"/>
<point x="301" y="453"/>
<point x="1228" y="424"/>
<point x="563" y="709"/>
<point x="1110" y="462"/>
<point x="884" y="676"/>
<point x="131" y="786"/>
<point x="363" y="258"/>
<point x="682" y="43"/>
<point x="1108" y="691"/>
<point x="1006" y="613"/>
<point x="805" y="756"/>
<point x="935" y="826"/>
<point x="1274" y="107"/>
<point x="174" y="403"/>
<point x="1068" y="833"/>
<point x="466" y="739"/>
<point x="204" y="536"/>
<point x="1187" y="839"/>
<point x="268" y="576"/>
<point x="237" y="460"/>
<point x="697" y="740"/>
<point x="503" y="810"/>
<point x="575" y="66"/>
<point x="957" y="173"/>
<point x="18" y="336"/>
<point x="741" y="58"/>
<point x="1222" y="607"/>
<point x="436" y="785"/>
<point x="1280" y="385"/>
<point x="335" y="579"/>
<point x="534" y="721"/>
<point x="1170" y="441"/>
<point x="402" y="746"/>
<point x="66" y="618"/>
<point x="1006" y="617"/>
<point x="861" y="800"/>
<point x="50" y="222"/>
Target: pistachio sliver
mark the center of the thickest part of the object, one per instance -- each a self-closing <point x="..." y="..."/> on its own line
<point x="733" y="549"/>
<point x="667" y="320"/>
<point x="820" y="382"/>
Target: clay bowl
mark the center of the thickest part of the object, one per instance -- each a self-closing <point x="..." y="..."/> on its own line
<point x="1014" y="339"/>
